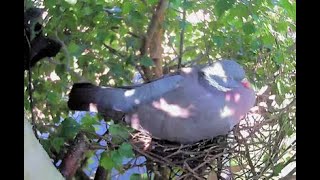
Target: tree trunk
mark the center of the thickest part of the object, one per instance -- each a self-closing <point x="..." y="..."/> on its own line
<point x="153" y="40"/>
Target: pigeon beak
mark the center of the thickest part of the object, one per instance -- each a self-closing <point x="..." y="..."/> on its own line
<point x="246" y="83"/>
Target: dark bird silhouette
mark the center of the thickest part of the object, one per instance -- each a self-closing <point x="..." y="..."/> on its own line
<point x="36" y="45"/>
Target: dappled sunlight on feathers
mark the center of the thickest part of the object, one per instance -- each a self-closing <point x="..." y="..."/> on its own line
<point x="173" y="110"/>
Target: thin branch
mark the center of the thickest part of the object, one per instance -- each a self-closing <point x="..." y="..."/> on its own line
<point x="134" y="35"/>
<point x="202" y="164"/>
<point x="182" y="34"/>
<point x="113" y="51"/>
<point x="247" y="155"/>
<point x="196" y="175"/>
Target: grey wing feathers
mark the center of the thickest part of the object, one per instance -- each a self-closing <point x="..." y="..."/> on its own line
<point x="150" y="91"/>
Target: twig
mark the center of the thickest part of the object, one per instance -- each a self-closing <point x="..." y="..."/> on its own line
<point x="182" y="34"/>
<point x="134" y="35"/>
<point x="147" y="155"/>
<point x="202" y="164"/>
<point x="113" y="51"/>
<point x="247" y="155"/>
<point x="196" y="175"/>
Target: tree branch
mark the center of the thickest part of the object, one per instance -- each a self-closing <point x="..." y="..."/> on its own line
<point x="182" y="34"/>
<point x="154" y="35"/>
<point x="75" y="154"/>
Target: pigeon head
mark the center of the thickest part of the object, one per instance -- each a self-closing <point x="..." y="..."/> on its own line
<point x="225" y="75"/>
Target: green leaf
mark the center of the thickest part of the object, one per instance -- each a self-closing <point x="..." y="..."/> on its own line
<point x="188" y="5"/>
<point x="234" y="162"/>
<point x="137" y="176"/>
<point x="116" y="158"/>
<point x="241" y="11"/>
<point x="256" y="17"/>
<point x="115" y="129"/>
<point x="218" y="40"/>
<point x="72" y="2"/>
<point x="87" y="11"/>
<point x="69" y="128"/>
<point x="136" y="19"/>
<point x="278" y="168"/>
<point x="268" y="41"/>
<point x="255" y="45"/>
<point x="126" y="150"/>
<point x="287" y="128"/>
<point x="46" y="144"/>
<point x="89" y="120"/>
<point x="132" y="42"/>
<point x="146" y="61"/>
<point x="50" y="3"/>
<point x="106" y="161"/>
<point x="56" y="119"/>
<point x="127" y="7"/>
<point x="74" y="49"/>
<point x="282" y="26"/>
<point x="57" y="143"/>
<point x="117" y="69"/>
<point x="118" y="132"/>
<point x="280" y="87"/>
<point x="223" y="5"/>
<point x="152" y="2"/>
<point x="175" y="3"/>
<point x="279" y="58"/>
<point x="290" y="8"/>
<point x="60" y="69"/>
<point x="248" y="28"/>
<point x="266" y="157"/>
<point x="52" y="97"/>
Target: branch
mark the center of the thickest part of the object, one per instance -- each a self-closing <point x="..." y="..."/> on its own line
<point x="196" y="175"/>
<point x="113" y="51"/>
<point x="134" y="35"/>
<point x="101" y="173"/>
<point x="154" y="35"/>
<point x="182" y="34"/>
<point x="75" y="154"/>
<point x="161" y="7"/>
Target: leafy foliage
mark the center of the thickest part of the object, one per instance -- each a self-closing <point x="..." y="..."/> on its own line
<point x="114" y="158"/>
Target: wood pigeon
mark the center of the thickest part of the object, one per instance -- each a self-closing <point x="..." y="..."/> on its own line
<point x="193" y="104"/>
